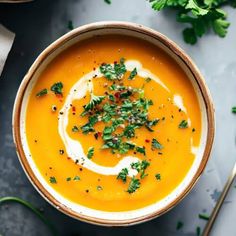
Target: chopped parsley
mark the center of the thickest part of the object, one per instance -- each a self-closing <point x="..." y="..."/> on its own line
<point x="234" y="110"/>
<point x="179" y="225"/>
<point x="198" y="231"/>
<point x="57" y="88"/>
<point x="53" y="180"/>
<point x="203" y="217"/>
<point x="114" y="72"/>
<point x="133" y="185"/>
<point x="123" y="175"/>
<point x="68" y="179"/>
<point x="70" y="25"/>
<point x="132" y="74"/>
<point x="75" y="128"/>
<point x="158" y="176"/>
<point x="90" y="152"/>
<point x="183" y="124"/>
<point x="42" y="93"/>
<point x="141" y="150"/>
<point x="141" y="167"/>
<point x="156" y="144"/>
<point x="107" y="1"/>
<point x="76" y="178"/>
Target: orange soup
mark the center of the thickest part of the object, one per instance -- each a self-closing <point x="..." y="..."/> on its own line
<point x="111" y="123"/>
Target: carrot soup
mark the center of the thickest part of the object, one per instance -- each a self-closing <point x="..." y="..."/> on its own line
<point x="113" y="123"/>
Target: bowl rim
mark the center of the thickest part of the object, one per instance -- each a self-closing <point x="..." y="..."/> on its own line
<point x="174" y="48"/>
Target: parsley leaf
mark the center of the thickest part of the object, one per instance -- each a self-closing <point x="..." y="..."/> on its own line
<point x="133" y="185"/>
<point x="90" y="152"/>
<point x="57" y="88"/>
<point x="75" y="129"/>
<point x="158" y="176"/>
<point x="183" y="124"/>
<point x="113" y="72"/>
<point x="70" y="25"/>
<point x="179" y="225"/>
<point x="94" y="101"/>
<point x="42" y="93"/>
<point x="52" y="180"/>
<point x="200" y="15"/>
<point x="203" y="217"/>
<point x="107" y="1"/>
<point x="132" y="74"/>
<point x="141" y="150"/>
<point x="156" y="144"/>
<point x="234" y="110"/>
<point x="123" y="175"/>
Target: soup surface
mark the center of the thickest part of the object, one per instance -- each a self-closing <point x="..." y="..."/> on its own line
<point x="113" y="123"/>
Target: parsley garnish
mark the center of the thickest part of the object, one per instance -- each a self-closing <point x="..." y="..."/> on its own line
<point x="90" y="152"/>
<point x="200" y="15"/>
<point x="133" y="185"/>
<point x="141" y="167"/>
<point x="132" y="74"/>
<point x="75" y="129"/>
<point x="141" y="150"/>
<point x="53" y="180"/>
<point x="123" y="175"/>
<point x="42" y="93"/>
<point x="179" y="225"/>
<point x="158" y="176"/>
<point x="68" y="179"/>
<point x="107" y="1"/>
<point x="198" y="231"/>
<point x="94" y="101"/>
<point x="76" y="178"/>
<point x="70" y="25"/>
<point x="203" y="217"/>
<point x="57" y="88"/>
<point x="156" y="144"/>
<point x="148" y="79"/>
<point x="113" y="72"/>
<point x="183" y="124"/>
<point x="234" y="110"/>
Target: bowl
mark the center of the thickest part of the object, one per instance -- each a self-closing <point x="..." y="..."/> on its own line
<point x="102" y="217"/>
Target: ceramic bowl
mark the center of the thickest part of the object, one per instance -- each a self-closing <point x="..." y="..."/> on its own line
<point x="96" y="216"/>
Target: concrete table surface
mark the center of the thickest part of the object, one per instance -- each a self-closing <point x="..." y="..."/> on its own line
<point x="39" y="23"/>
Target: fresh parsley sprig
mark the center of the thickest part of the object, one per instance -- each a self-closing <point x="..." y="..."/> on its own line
<point x="201" y="16"/>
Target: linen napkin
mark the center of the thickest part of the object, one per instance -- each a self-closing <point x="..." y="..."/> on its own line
<point x="6" y="41"/>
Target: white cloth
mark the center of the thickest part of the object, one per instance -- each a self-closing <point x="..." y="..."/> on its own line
<point x="6" y="41"/>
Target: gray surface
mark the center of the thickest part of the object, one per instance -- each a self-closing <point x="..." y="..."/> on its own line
<point x="38" y="24"/>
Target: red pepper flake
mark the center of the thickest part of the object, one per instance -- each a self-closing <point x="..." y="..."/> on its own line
<point x="117" y="94"/>
<point x="73" y="108"/>
<point x="147" y="140"/>
<point x="68" y="158"/>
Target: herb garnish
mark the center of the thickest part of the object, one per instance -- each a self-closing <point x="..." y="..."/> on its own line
<point x="234" y="110"/>
<point x="75" y="128"/>
<point x="156" y="144"/>
<point x="42" y="93"/>
<point x="200" y="15"/>
<point x="53" y="180"/>
<point x="183" y="124"/>
<point x="70" y="25"/>
<point x="158" y="176"/>
<point x="133" y="185"/>
<point x="90" y="152"/>
<point x="198" y="231"/>
<point x="132" y="74"/>
<point x="123" y="175"/>
<point x="179" y="225"/>
<point x="76" y="178"/>
<point x="123" y="106"/>
<point x="141" y="167"/>
<point x="203" y="217"/>
<point x="107" y="1"/>
<point x="57" y="88"/>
